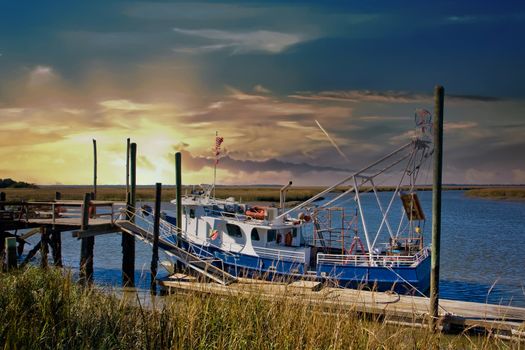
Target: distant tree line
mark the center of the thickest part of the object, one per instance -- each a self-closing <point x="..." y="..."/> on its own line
<point x="10" y="183"/>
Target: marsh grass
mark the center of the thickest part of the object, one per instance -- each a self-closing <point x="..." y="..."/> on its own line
<point x="118" y="193"/>
<point x="45" y="309"/>
<point x="147" y="193"/>
<point x="511" y="193"/>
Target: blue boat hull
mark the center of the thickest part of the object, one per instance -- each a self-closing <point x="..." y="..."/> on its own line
<point x="403" y="279"/>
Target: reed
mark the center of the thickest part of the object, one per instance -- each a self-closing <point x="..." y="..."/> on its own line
<point x="247" y="194"/>
<point x="147" y="193"/>
<point x="510" y="193"/>
<point x="47" y="310"/>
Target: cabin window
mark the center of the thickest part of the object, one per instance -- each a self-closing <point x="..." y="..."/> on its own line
<point x="192" y="213"/>
<point x="271" y="235"/>
<point x="255" y="235"/>
<point x="233" y="230"/>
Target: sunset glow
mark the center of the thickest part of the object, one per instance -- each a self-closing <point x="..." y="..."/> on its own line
<point x="169" y="78"/>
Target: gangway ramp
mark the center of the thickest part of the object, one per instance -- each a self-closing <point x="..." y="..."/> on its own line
<point x="202" y="265"/>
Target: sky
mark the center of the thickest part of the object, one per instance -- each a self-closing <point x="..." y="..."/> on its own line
<point x="170" y="74"/>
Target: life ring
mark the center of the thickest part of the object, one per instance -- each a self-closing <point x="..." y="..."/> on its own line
<point x="288" y="239"/>
<point x="258" y="213"/>
<point x="214" y="235"/>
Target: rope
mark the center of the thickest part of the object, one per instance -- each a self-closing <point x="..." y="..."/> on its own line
<point x="417" y="290"/>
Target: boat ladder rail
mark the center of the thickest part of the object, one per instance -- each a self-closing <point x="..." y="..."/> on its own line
<point x="139" y="223"/>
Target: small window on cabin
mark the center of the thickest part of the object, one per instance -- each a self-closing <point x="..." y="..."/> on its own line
<point x="233" y="230"/>
<point x="255" y="235"/>
<point x="192" y="213"/>
<point x="271" y="235"/>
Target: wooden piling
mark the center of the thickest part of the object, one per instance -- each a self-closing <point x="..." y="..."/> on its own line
<point x="128" y="241"/>
<point x="94" y="169"/>
<point x="2" y="199"/>
<point x="156" y="229"/>
<point x="439" y="94"/>
<point x="56" y="239"/>
<point x="127" y="166"/>
<point x="10" y="247"/>
<point x="44" y="246"/>
<point x="87" y="245"/>
<point x="2" y="234"/>
<point x="178" y="172"/>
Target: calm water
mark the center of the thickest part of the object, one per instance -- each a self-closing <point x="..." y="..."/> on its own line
<point x="482" y="260"/>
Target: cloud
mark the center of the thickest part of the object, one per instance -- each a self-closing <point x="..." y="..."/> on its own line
<point x="362" y="96"/>
<point x="126" y="105"/>
<point x="145" y="163"/>
<point x="389" y="96"/>
<point x="518" y="176"/>
<point x="261" y="89"/>
<point x="202" y="11"/>
<point x="196" y="163"/>
<point x="241" y="42"/>
<point x="41" y="75"/>
<point x="452" y="126"/>
<point x="477" y="176"/>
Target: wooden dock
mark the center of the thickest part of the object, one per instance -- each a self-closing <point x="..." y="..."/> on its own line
<point x="454" y="316"/>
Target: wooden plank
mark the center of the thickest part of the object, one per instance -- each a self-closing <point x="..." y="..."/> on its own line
<point x="30" y="233"/>
<point x="95" y="231"/>
<point x="400" y="309"/>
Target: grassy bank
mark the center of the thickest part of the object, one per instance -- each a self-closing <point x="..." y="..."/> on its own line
<point x="47" y="310"/>
<point x="247" y="194"/>
<point x="118" y="193"/>
<point x="509" y="193"/>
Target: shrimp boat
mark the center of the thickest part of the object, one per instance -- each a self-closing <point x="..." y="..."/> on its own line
<point x="322" y="239"/>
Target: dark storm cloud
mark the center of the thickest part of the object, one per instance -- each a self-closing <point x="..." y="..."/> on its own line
<point x="196" y="163"/>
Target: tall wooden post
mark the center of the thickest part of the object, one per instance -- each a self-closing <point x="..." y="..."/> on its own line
<point x="87" y="245"/>
<point x="128" y="241"/>
<point x="94" y="169"/>
<point x="10" y="246"/>
<point x="44" y="246"/>
<point x="127" y="166"/>
<point x="439" y="94"/>
<point x="56" y="238"/>
<point x="156" y="229"/>
<point x="178" y="172"/>
<point x="178" y="183"/>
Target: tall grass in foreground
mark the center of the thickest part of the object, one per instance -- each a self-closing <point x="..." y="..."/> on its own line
<point x="47" y="310"/>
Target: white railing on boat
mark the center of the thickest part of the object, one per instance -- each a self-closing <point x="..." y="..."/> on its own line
<point x="278" y="254"/>
<point x="376" y="260"/>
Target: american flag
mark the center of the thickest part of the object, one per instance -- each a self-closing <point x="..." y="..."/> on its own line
<point x="218" y="142"/>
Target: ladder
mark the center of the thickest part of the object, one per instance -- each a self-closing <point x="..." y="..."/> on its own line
<point x="196" y="262"/>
